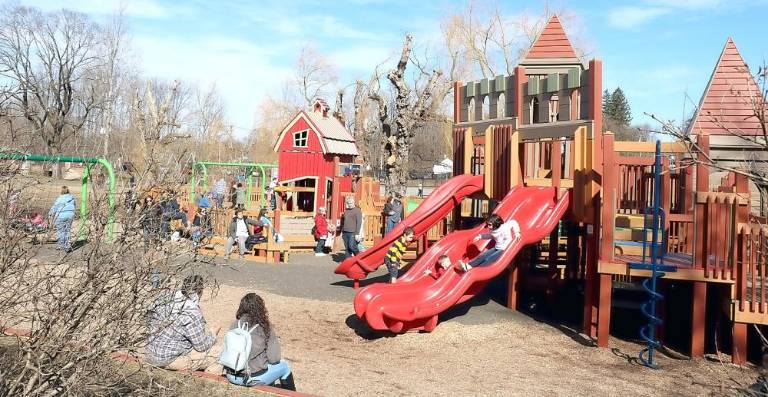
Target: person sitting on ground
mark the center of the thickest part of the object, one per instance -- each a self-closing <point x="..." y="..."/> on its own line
<point x="321" y="231"/>
<point x="62" y="214"/>
<point x="443" y="264"/>
<point x="395" y="253"/>
<point x="239" y="231"/>
<point x="180" y="338"/>
<point x="264" y="365"/>
<point x="201" y="226"/>
<point x="240" y="194"/>
<point x="502" y="233"/>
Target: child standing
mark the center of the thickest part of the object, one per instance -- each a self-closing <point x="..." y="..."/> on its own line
<point x="502" y="233"/>
<point x="395" y="254"/>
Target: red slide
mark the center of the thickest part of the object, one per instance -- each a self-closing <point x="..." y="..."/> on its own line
<point x="434" y="208"/>
<point x="415" y="301"/>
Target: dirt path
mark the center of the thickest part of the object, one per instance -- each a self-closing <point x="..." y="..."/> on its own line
<point x="334" y="355"/>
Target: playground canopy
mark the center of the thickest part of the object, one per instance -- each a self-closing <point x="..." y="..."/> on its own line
<point x="203" y="165"/>
<point x="88" y="161"/>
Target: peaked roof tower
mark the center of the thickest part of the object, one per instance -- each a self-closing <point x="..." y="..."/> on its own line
<point x="552" y="44"/>
<point x="730" y="99"/>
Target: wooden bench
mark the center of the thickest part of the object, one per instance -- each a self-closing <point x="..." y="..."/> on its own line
<point x="266" y="252"/>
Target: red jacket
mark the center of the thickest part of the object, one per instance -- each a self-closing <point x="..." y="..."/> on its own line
<point x="321" y="226"/>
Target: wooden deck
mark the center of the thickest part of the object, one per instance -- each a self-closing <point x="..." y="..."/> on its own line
<point x="683" y="263"/>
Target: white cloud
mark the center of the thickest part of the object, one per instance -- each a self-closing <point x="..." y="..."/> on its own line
<point x="630" y="17"/>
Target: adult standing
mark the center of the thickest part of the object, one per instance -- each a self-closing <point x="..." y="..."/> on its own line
<point x="352" y="227"/>
<point x="321" y="231"/>
<point x="395" y="214"/>
<point x="420" y="192"/>
<point x="150" y="220"/>
<point x="219" y="191"/>
<point x="62" y="214"/>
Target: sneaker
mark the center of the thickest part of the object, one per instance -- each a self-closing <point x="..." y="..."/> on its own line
<point x="463" y="266"/>
<point x="320" y="254"/>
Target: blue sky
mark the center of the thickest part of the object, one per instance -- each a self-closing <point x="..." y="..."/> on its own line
<point x="658" y="51"/>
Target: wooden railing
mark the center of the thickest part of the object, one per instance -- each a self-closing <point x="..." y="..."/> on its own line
<point x="716" y="250"/>
<point x="752" y="280"/>
<point x="680" y="233"/>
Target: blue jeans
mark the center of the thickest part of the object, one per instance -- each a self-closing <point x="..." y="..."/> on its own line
<point x="63" y="230"/>
<point x="390" y="224"/>
<point x="350" y="245"/>
<point x="274" y="372"/>
<point x="486" y="258"/>
<point x="320" y="246"/>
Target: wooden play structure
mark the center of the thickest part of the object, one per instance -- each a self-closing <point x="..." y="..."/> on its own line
<point x="542" y="126"/>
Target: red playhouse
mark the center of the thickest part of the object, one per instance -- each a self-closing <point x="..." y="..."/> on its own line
<point x="599" y="217"/>
<point x="315" y="157"/>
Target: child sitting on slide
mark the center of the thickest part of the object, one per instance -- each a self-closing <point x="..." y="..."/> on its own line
<point x="443" y="264"/>
<point x="502" y="233"/>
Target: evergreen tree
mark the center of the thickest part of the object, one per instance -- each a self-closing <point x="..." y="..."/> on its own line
<point x="620" y="111"/>
<point x="607" y="107"/>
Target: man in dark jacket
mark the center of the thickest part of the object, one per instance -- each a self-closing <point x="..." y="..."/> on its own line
<point x="352" y="228"/>
<point x="239" y="230"/>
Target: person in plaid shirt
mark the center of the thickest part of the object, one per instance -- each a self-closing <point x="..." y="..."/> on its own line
<point x="180" y="337"/>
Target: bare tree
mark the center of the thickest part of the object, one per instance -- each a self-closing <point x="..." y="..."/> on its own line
<point x="412" y="108"/>
<point x="314" y="75"/>
<point x="50" y="61"/>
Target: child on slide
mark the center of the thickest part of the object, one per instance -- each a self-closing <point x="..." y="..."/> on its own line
<point x="443" y="264"/>
<point x="503" y="233"/>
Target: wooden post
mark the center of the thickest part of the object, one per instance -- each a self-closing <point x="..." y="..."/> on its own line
<point x="457" y="91"/>
<point x="609" y="200"/>
<point x="515" y="170"/>
<point x="698" y="315"/>
<point x="469" y="149"/>
<point x="512" y="282"/>
<point x="739" y="353"/>
<point x="604" y="311"/>
<point x="489" y="161"/>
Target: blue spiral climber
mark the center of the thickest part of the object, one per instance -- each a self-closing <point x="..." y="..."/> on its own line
<point x="656" y="266"/>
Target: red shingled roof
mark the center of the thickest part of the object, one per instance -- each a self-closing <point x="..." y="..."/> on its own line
<point x="730" y="99"/>
<point x="551" y="43"/>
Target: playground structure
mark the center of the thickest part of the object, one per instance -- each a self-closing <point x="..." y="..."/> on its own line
<point x="541" y="128"/>
<point x="258" y="196"/>
<point x="89" y="162"/>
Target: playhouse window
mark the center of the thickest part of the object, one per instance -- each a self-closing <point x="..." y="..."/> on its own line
<point x="554" y="108"/>
<point x="300" y="138"/>
<point x="535" y="111"/>
<point x="501" y="103"/>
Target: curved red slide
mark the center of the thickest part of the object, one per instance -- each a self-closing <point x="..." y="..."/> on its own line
<point x="415" y="301"/>
<point x="434" y="208"/>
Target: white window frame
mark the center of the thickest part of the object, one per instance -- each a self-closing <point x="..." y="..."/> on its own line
<point x="300" y="136"/>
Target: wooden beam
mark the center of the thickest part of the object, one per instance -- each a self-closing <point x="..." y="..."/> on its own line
<point x="742" y="198"/>
<point x="547" y="182"/>
<point x="681" y="273"/>
<point x="650" y="147"/>
<point x="739" y="353"/>
<point x="610" y="180"/>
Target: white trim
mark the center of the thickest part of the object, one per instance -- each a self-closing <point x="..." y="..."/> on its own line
<point x="313" y="127"/>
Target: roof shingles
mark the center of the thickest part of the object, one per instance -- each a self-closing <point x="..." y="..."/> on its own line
<point x="730" y="101"/>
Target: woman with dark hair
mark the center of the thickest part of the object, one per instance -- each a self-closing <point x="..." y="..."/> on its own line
<point x="264" y="363"/>
<point x="502" y="234"/>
